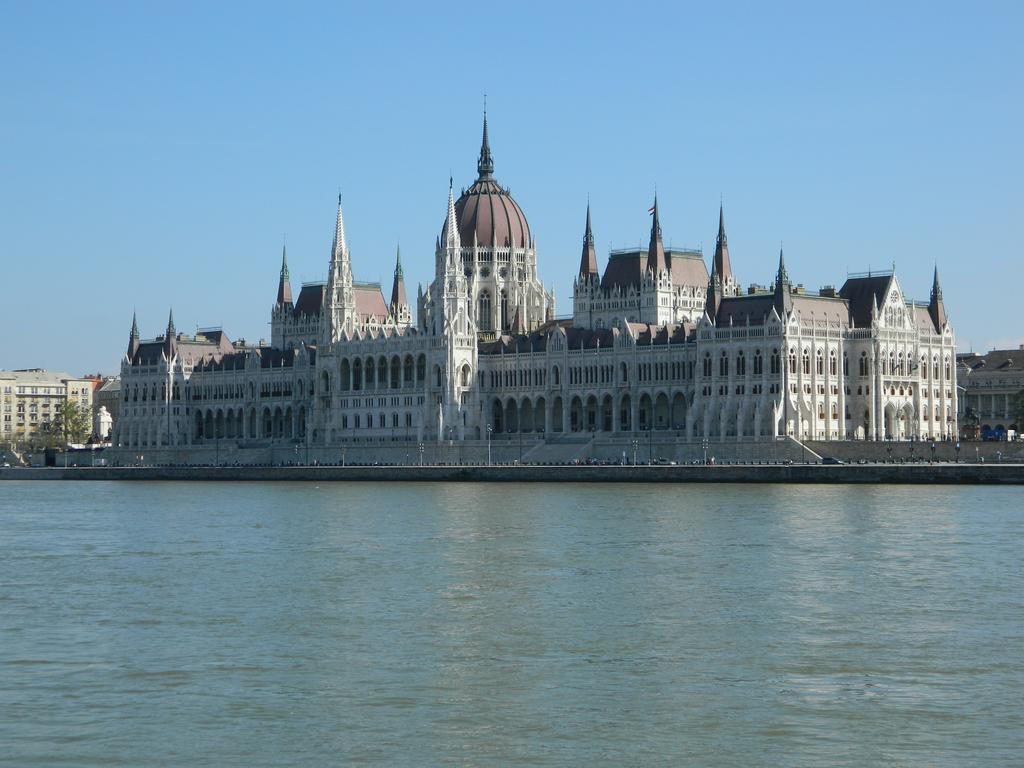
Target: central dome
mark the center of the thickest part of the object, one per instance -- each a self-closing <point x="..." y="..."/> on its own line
<point x="487" y="212"/>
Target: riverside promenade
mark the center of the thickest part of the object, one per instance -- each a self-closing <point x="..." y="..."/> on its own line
<point x="919" y="474"/>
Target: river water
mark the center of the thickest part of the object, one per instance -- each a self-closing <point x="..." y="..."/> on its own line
<point x="266" y="624"/>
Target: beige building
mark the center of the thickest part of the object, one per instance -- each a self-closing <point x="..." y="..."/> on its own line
<point x="31" y="399"/>
<point x="991" y="383"/>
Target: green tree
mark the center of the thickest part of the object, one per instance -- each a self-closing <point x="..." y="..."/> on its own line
<point x="72" y="424"/>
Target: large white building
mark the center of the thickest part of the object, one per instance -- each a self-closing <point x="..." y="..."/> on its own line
<point x="655" y="343"/>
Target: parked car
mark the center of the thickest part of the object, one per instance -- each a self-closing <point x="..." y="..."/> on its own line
<point x="831" y="460"/>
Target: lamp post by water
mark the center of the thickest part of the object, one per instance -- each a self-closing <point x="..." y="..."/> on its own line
<point x="636" y="444"/>
<point x="421" y="454"/>
<point x="956" y="448"/>
<point x="933" y="451"/>
<point x="650" y="444"/>
<point x="705" y="441"/>
<point x="489" y="430"/>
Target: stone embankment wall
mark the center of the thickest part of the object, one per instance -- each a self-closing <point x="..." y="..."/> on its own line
<point x="757" y="473"/>
<point x="643" y="448"/>
<point x="907" y="451"/>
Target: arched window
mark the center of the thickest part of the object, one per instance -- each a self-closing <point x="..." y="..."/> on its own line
<point x="806" y="362"/>
<point x="723" y="364"/>
<point x="846" y="364"/>
<point x="819" y="363"/>
<point x="741" y="364"/>
<point x="707" y="365"/>
<point x="863" y="364"/>
<point x="504" y="310"/>
<point x="483" y="319"/>
<point x="832" y="364"/>
<point x="758" y="363"/>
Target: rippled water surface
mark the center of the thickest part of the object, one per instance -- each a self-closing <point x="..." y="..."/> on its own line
<point x="463" y="624"/>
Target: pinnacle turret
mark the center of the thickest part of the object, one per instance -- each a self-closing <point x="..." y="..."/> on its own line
<point x="339" y="249"/>
<point x="936" y="308"/>
<point x="171" y="336"/>
<point x="588" y="261"/>
<point x="721" y="266"/>
<point x="783" y="299"/>
<point x="339" y="297"/>
<point x="451" y="226"/>
<point x="656" y="249"/>
<point x="133" y="338"/>
<point x="398" y="299"/>
<point x="284" y="287"/>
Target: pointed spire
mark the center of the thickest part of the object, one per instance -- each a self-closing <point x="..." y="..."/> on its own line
<point x="721" y="266"/>
<point x="170" y="337"/>
<point x="588" y="261"/>
<point x="936" y="308"/>
<point x="450" y="232"/>
<point x="656" y="248"/>
<point x="485" y="165"/>
<point x="783" y="298"/>
<point x="781" y="277"/>
<point x="133" y="338"/>
<point x="284" y="287"/>
<point x="339" y="250"/>
<point x="398" y="299"/>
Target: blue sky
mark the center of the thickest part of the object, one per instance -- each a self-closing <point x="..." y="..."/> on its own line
<point x="156" y="155"/>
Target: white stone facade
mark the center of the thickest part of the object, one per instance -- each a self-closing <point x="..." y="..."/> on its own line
<point x="656" y="344"/>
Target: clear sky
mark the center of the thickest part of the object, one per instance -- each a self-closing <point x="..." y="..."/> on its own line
<point x="157" y="154"/>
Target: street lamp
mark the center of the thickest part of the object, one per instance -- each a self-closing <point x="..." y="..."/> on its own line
<point x="705" y="441"/>
<point x="489" y="430"/>
<point x="650" y="444"/>
<point x="421" y="454"/>
<point x="933" y="451"/>
<point x="957" y="449"/>
<point x="636" y="444"/>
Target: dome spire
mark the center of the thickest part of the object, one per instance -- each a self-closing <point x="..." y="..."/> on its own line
<point x="485" y="165"/>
